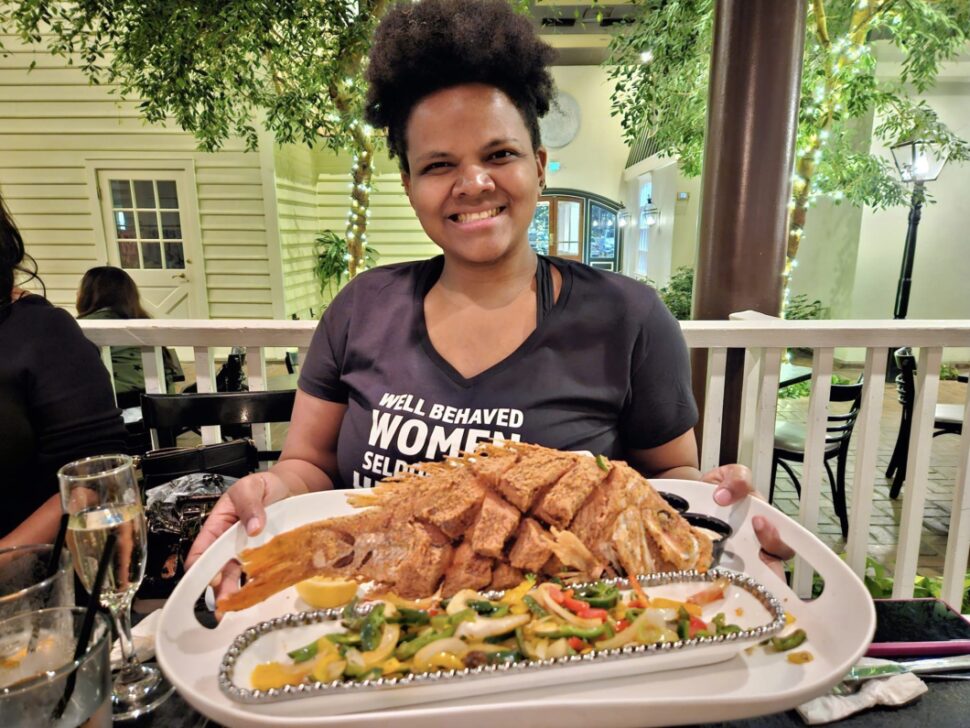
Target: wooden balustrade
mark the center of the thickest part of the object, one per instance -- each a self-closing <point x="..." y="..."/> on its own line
<point x="764" y="340"/>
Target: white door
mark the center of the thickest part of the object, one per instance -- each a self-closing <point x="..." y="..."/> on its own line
<point x="149" y="233"/>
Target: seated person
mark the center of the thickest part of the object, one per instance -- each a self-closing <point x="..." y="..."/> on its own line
<point x="56" y="404"/>
<point x="107" y="292"/>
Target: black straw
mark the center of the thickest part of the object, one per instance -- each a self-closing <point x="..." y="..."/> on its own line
<point x="55" y="560"/>
<point x="88" y="624"/>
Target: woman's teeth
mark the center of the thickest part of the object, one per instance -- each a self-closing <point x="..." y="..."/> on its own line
<point x="473" y="216"/>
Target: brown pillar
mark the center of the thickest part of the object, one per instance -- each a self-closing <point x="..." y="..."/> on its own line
<point x="756" y="67"/>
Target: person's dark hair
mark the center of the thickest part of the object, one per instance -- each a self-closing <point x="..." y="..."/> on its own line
<point x="13" y="257"/>
<point x="423" y="47"/>
<point x="108" y="287"/>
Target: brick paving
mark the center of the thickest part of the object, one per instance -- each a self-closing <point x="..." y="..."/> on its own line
<point x="886" y="513"/>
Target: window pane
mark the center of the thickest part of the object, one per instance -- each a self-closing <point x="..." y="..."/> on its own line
<point x="128" y="252"/>
<point x="171" y="226"/>
<point x="148" y="225"/>
<point x="151" y="254"/>
<point x="539" y="229"/>
<point x="145" y="193"/>
<point x="602" y="232"/>
<point x="121" y="193"/>
<point x="567" y="224"/>
<point x="167" y="196"/>
<point x="174" y="257"/>
<point x="124" y="224"/>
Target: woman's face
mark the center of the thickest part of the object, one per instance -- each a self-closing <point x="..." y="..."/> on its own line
<point x="474" y="179"/>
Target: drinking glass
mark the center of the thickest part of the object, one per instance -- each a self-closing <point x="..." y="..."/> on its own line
<point x="38" y="667"/>
<point x="25" y="585"/>
<point x="100" y="496"/>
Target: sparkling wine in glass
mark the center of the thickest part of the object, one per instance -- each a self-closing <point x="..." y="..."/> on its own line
<point x="100" y="495"/>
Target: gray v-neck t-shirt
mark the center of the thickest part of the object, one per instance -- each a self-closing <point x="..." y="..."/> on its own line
<point x="606" y="371"/>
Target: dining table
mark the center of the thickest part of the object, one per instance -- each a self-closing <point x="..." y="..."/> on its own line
<point x="946" y="704"/>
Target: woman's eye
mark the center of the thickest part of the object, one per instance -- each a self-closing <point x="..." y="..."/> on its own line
<point x="435" y="166"/>
<point x="503" y="154"/>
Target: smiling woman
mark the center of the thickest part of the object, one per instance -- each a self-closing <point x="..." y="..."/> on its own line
<point x="419" y="361"/>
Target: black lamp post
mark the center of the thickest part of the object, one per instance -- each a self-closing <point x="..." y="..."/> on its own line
<point x="918" y="163"/>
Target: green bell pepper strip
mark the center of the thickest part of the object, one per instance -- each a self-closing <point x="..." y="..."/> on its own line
<point x="410" y="616"/>
<point x="465" y="615"/>
<point x="372" y="674"/>
<point x="483" y="606"/>
<point x="537" y="609"/>
<point x="503" y="656"/>
<point x="602" y="463"/>
<point x="344" y="638"/>
<point x="783" y="644"/>
<point x="349" y="617"/>
<point x="683" y="624"/>
<point x="302" y="654"/>
<point x="370" y="632"/>
<point x="410" y="649"/>
<point x="599" y="595"/>
<point x="520" y="640"/>
<point x="569" y="630"/>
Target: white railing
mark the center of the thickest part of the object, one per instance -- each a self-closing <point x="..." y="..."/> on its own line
<point x="764" y="340"/>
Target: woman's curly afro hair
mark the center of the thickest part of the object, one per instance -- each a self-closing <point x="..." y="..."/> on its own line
<point x="420" y="48"/>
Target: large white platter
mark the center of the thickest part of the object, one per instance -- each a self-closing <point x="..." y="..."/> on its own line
<point x="840" y="625"/>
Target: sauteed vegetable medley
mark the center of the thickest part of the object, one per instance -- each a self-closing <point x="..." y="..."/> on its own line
<point x="529" y="622"/>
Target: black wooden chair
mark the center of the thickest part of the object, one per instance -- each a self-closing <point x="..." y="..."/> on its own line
<point x="790" y="446"/>
<point x="947" y="418"/>
<point x="170" y="414"/>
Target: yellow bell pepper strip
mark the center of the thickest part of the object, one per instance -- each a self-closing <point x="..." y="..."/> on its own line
<point x="789" y="642"/>
<point x="410" y="649"/>
<point x="513" y="596"/>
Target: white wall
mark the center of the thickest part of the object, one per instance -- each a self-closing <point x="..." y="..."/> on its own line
<point x="53" y="122"/>
<point x="594" y="160"/>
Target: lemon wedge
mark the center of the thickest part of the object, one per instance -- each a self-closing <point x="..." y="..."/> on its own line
<point x="322" y="592"/>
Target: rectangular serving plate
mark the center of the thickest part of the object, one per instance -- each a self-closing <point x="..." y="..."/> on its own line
<point x="746" y="603"/>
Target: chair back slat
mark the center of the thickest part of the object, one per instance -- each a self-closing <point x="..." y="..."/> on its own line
<point x="167" y="413"/>
<point x="713" y="408"/>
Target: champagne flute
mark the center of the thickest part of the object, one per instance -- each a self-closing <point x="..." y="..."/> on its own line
<point x="100" y="496"/>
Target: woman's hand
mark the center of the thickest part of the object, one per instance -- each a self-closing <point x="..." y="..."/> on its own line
<point x="245" y="501"/>
<point x="734" y="482"/>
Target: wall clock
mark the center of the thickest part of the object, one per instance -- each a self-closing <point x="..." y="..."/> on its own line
<point x="561" y="124"/>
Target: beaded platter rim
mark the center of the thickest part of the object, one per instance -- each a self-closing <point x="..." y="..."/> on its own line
<point x="742" y="581"/>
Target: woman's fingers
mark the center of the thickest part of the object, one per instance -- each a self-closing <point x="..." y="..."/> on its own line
<point x="223" y="515"/>
<point x="771" y="543"/>
<point x="732" y="483"/>
<point x="248" y="501"/>
<point x="230" y="577"/>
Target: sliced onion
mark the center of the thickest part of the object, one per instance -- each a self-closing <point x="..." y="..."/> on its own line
<point x="648" y="617"/>
<point x="459" y="602"/>
<point x="447" y="644"/>
<point x="559" y="648"/>
<point x="483" y="627"/>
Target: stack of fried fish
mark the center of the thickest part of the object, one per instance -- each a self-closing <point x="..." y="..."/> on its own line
<point x="483" y="520"/>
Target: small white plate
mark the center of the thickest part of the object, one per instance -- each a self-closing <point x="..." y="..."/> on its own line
<point x="839" y="624"/>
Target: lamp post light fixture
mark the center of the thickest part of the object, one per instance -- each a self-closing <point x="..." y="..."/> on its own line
<point x="918" y="162"/>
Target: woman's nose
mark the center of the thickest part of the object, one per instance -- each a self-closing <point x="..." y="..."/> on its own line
<point x="473" y="181"/>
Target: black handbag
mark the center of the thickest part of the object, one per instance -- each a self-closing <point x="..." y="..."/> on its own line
<point x="235" y="458"/>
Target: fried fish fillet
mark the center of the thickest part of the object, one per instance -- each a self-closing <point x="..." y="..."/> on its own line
<point x="482" y="519"/>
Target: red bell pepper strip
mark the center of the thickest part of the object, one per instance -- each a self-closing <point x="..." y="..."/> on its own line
<point x="577" y="644"/>
<point x="696" y="625"/>
<point x="574" y="605"/>
<point x="592" y="613"/>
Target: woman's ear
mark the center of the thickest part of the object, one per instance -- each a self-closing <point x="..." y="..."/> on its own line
<point x="541" y="157"/>
<point x="406" y="181"/>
